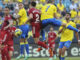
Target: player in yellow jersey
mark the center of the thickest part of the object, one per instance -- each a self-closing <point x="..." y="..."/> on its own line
<point x="48" y="14"/>
<point x="66" y="36"/>
<point x="22" y="17"/>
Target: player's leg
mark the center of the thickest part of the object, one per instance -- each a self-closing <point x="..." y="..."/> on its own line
<point x="66" y="46"/>
<point x="3" y="55"/>
<point x="50" y="51"/>
<point x="27" y="49"/>
<point x="36" y="33"/>
<point x="23" y="28"/>
<point x="43" y="39"/>
<point x="59" y="23"/>
<point x="10" y="49"/>
<point x="21" y="49"/>
<point x="61" y="44"/>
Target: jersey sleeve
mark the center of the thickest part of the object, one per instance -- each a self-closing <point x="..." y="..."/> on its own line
<point x="55" y="9"/>
<point x="60" y="28"/>
<point x="20" y="13"/>
<point x="74" y="25"/>
<point x="30" y="11"/>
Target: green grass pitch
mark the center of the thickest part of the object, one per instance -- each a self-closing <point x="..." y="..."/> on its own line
<point x="67" y="58"/>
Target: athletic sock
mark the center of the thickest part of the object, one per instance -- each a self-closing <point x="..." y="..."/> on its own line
<point x="62" y="58"/>
<point x="42" y="44"/>
<point x="21" y="48"/>
<point x="43" y="35"/>
<point x="72" y="28"/>
<point x="27" y="48"/>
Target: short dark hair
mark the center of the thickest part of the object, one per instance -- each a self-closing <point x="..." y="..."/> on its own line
<point x="7" y="7"/>
<point x="50" y="1"/>
<point x="33" y="4"/>
<point x="69" y="13"/>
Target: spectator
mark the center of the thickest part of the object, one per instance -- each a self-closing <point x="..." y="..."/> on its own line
<point x="10" y="5"/>
<point x="26" y="5"/>
<point x="63" y="13"/>
<point x="15" y="14"/>
<point x="60" y="6"/>
<point x="77" y="20"/>
<point x="73" y="6"/>
<point x="39" y="5"/>
<point x="58" y="14"/>
<point x="79" y="11"/>
<point x="1" y="13"/>
<point x="1" y="21"/>
<point x="73" y="14"/>
<point x="4" y="4"/>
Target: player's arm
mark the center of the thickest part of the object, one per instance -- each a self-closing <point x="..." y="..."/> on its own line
<point x="10" y="24"/>
<point x="30" y="17"/>
<point x="0" y="48"/>
<point x="77" y="36"/>
<point x="61" y="29"/>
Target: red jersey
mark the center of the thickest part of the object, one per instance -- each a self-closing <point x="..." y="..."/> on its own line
<point x="6" y="21"/>
<point x="51" y="37"/>
<point x="3" y="37"/>
<point x="11" y="35"/>
<point x="36" y="15"/>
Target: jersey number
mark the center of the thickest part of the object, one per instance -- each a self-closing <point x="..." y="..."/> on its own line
<point x="37" y="18"/>
<point x="47" y="8"/>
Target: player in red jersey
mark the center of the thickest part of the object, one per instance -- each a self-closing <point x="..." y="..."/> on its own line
<point x="4" y="46"/>
<point x="51" y="42"/>
<point x="6" y="43"/>
<point x="34" y="19"/>
<point x="10" y="40"/>
<point x="8" y="22"/>
<point x="5" y="34"/>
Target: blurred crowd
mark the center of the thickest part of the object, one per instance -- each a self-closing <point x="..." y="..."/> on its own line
<point x="63" y="6"/>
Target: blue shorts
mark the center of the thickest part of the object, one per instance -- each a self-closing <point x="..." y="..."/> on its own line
<point x="25" y="29"/>
<point x="52" y="21"/>
<point x="67" y="44"/>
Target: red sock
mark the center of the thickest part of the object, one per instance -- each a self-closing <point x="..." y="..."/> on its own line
<point x="42" y="44"/>
<point x="54" y="52"/>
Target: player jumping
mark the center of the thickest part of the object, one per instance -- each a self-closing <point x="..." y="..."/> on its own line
<point x="66" y="36"/>
<point x="34" y="19"/>
<point x="48" y="16"/>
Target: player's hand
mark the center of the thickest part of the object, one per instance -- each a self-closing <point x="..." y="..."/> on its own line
<point x="64" y="24"/>
<point x="78" y="42"/>
<point x="5" y="28"/>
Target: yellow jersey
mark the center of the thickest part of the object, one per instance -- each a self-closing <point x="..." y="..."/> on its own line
<point x="48" y="11"/>
<point x="79" y="13"/>
<point x="39" y="6"/>
<point x="61" y="8"/>
<point x="66" y="33"/>
<point x="77" y="21"/>
<point x="23" y="16"/>
<point x="73" y="13"/>
<point x="58" y="15"/>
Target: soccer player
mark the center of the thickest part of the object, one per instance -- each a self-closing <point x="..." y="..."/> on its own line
<point x="10" y="40"/>
<point x="34" y="19"/>
<point x="52" y="36"/>
<point x="48" y="14"/>
<point x="66" y="36"/>
<point x="22" y="17"/>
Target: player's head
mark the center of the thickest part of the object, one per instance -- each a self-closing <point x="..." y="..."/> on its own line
<point x="51" y="28"/>
<point x="32" y="4"/>
<point x="6" y="10"/>
<point x="68" y="15"/>
<point x="20" y="5"/>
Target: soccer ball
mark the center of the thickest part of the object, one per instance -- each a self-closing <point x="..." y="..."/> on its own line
<point x="18" y="32"/>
